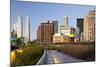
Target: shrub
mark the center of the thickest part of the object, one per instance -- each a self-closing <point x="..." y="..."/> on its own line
<point x="51" y="47"/>
<point x="30" y="56"/>
<point x="85" y="52"/>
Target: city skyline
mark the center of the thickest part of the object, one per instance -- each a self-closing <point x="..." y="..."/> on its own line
<point x="39" y="12"/>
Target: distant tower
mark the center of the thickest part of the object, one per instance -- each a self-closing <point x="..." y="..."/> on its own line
<point x="65" y="21"/>
<point x="27" y="28"/>
<point x="80" y="24"/>
<point x="19" y="27"/>
<point x="64" y="28"/>
<point x="55" y="25"/>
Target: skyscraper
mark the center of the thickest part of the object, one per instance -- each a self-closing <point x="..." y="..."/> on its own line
<point x="27" y="28"/>
<point x="19" y="27"/>
<point x="55" y="25"/>
<point x="65" y="21"/>
<point x="89" y="27"/>
<point x="80" y="24"/>
<point x="64" y="28"/>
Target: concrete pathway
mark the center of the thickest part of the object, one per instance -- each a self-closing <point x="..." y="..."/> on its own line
<point x="55" y="57"/>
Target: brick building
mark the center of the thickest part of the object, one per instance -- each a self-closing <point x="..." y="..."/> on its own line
<point x="45" y="33"/>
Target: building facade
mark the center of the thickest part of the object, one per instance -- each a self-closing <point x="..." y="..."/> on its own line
<point x="13" y="34"/>
<point x="65" y="21"/>
<point x="60" y="38"/>
<point x="64" y="28"/>
<point x="89" y="27"/>
<point x="39" y="34"/>
<point x="72" y="30"/>
<point x="19" y="27"/>
<point x="45" y="33"/>
<point x="27" y="28"/>
<point x="80" y="25"/>
<point x="55" y="25"/>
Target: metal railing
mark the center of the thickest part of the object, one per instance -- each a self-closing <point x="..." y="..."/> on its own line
<point x="43" y="59"/>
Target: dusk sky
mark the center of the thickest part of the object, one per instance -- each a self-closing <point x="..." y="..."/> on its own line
<point x="39" y="12"/>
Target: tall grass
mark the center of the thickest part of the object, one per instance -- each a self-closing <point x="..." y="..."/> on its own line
<point x="85" y="52"/>
<point x="30" y="56"/>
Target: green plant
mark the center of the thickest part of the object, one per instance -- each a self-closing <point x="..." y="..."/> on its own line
<point x="85" y="52"/>
<point x="31" y="54"/>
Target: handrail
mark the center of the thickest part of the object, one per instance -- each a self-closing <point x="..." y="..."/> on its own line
<point x="43" y="59"/>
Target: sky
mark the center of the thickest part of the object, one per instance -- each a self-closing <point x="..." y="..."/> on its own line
<point x="39" y="12"/>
